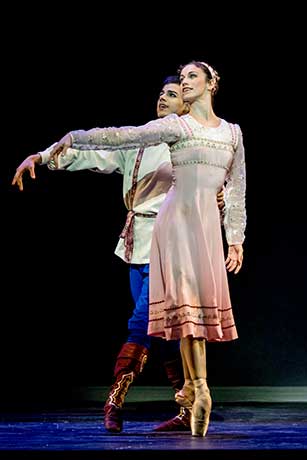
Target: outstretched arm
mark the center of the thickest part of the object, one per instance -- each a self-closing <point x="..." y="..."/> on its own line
<point x="168" y="130"/>
<point x="103" y="161"/>
<point x="74" y="160"/>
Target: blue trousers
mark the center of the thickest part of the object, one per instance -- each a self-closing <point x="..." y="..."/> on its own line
<point x="138" y="323"/>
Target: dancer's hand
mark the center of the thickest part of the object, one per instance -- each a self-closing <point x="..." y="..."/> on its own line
<point x="27" y="165"/>
<point x="220" y="199"/>
<point x="60" y="148"/>
<point x="235" y="258"/>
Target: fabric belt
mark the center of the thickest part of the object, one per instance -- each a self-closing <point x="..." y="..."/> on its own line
<point x="127" y="232"/>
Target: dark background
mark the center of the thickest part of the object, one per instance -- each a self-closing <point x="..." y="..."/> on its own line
<point x="65" y="295"/>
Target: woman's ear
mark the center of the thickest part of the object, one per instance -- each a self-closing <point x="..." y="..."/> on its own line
<point x="211" y="86"/>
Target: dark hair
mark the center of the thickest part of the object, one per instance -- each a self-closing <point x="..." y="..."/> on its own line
<point x="171" y="79"/>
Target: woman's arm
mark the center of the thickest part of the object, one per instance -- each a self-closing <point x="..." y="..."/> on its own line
<point x="163" y="130"/>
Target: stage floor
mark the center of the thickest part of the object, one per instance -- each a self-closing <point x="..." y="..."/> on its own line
<point x="249" y="430"/>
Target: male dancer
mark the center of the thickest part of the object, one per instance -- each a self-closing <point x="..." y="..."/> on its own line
<point x="147" y="176"/>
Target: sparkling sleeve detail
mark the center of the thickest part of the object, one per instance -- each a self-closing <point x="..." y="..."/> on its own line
<point x="167" y="129"/>
<point x="235" y="211"/>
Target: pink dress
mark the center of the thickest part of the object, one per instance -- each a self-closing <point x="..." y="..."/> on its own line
<point x="189" y="292"/>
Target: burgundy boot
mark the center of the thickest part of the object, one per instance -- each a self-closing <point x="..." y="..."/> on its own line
<point x="180" y="422"/>
<point x="129" y="364"/>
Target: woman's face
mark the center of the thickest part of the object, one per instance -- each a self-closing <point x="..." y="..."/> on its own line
<point x="193" y="82"/>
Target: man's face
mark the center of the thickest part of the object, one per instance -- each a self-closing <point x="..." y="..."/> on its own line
<point x="170" y="101"/>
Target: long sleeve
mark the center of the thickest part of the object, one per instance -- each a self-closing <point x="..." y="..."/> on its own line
<point x="45" y="154"/>
<point x="98" y="160"/>
<point x="235" y="211"/>
<point x="168" y="130"/>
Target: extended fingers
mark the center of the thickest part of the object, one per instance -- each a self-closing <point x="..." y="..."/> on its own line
<point x="32" y="172"/>
<point x="56" y="152"/>
<point x="17" y="179"/>
<point x="234" y="261"/>
<point x="231" y="264"/>
<point x="239" y="265"/>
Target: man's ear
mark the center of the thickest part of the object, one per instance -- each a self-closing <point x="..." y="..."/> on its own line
<point x="186" y="108"/>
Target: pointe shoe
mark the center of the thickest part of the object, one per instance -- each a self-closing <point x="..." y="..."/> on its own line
<point x="185" y="396"/>
<point x="201" y="408"/>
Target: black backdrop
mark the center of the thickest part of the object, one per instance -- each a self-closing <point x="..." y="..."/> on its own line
<point x="65" y="295"/>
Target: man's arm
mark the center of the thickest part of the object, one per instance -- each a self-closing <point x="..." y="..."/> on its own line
<point x="74" y="160"/>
